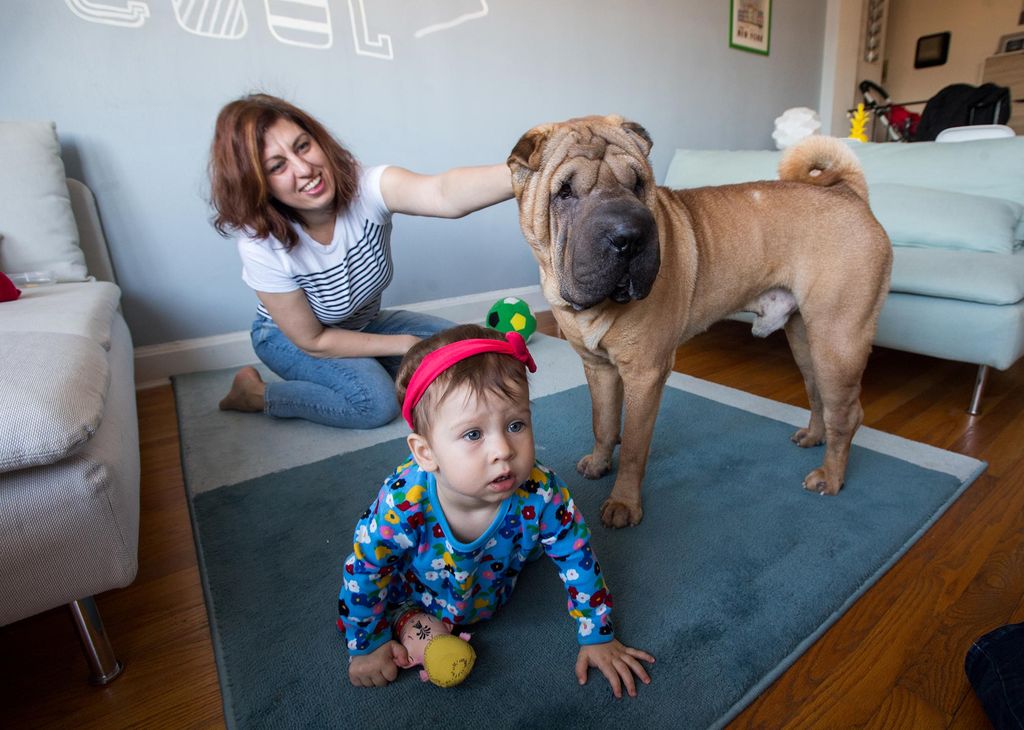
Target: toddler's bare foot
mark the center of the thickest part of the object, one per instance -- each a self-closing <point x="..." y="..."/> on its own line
<point x="246" y="392"/>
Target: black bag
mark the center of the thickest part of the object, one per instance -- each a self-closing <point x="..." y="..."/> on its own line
<point x="961" y="105"/>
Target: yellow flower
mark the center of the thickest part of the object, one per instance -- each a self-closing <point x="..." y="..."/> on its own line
<point x="391" y="516"/>
<point x="381" y="552"/>
<point x="358" y="551"/>
<point x="415" y="494"/>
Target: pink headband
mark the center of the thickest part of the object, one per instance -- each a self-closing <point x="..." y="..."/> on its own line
<point x="444" y="357"/>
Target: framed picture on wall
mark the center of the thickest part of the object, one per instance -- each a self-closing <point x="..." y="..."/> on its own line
<point x="750" y="25"/>
<point x="932" y="50"/>
<point x="1011" y="43"/>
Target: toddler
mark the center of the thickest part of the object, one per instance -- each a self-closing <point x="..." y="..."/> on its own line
<point x="452" y="527"/>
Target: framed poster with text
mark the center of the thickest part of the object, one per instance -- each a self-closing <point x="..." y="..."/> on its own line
<point x="750" y="25"/>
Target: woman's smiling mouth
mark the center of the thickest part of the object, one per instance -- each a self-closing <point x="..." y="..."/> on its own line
<point x="313" y="187"/>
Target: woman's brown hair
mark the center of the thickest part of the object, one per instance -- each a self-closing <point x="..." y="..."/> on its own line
<point x="239" y="191"/>
<point x="488" y="372"/>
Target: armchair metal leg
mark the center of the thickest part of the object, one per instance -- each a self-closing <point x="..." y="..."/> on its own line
<point x="979" y="386"/>
<point x="103" y="664"/>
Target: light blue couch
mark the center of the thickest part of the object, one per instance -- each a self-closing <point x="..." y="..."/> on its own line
<point x="954" y="214"/>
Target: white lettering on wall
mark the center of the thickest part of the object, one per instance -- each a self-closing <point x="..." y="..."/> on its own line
<point x="305" y="23"/>
<point x="130" y="14"/>
<point x="224" y="20"/>
<point x="452" y="23"/>
<point x="378" y="46"/>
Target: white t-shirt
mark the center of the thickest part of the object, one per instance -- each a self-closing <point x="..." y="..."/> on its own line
<point x="344" y="281"/>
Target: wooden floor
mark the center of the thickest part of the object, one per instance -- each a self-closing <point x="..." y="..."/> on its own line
<point x="894" y="660"/>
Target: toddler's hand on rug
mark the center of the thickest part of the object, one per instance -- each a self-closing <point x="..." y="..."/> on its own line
<point x="617" y="662"/>
<point x="378" y="668"/>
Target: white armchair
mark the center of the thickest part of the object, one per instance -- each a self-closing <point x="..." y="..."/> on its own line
<point x="69" y="447"/>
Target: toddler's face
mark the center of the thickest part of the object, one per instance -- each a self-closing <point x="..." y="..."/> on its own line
<point x="483" y="446"/>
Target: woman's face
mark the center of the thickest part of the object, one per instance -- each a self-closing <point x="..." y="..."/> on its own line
<point x="296" y="168"/>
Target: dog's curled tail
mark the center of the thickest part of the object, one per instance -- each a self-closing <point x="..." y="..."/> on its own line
<point x="824" y="161"/>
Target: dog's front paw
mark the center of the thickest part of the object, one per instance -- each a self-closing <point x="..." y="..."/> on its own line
<point x="592" y="467"/>
<point x="805" y="438"/>
<point x="817" y="481"/>
<point x="619" y="514"/>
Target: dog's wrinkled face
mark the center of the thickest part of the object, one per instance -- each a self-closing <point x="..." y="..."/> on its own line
<point x="585" y="192"/>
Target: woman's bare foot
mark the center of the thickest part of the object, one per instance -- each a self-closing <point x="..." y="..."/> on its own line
<point x="246" y="392"/>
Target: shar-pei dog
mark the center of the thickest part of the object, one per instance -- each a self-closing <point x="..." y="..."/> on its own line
<point x="632" y="270"/>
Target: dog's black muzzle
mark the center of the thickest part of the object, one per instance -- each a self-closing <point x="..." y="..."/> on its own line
<point x="613" y="254"/>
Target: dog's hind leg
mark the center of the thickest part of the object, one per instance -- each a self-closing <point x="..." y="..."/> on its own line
<point x="796" y="333"/>
<point x="606" y="414"/>
<point x="839" y="362"/>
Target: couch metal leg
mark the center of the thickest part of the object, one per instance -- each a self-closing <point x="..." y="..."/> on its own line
<point x="102" y="663"/>
<point x="979" y="386"/>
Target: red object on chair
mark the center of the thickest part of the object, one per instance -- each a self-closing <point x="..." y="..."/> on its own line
<point x="904" y="120"/>
<point x="8" y="291"/>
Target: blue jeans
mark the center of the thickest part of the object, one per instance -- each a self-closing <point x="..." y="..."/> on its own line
<point x="995" y="668"/>
<point x="347" y="392"/>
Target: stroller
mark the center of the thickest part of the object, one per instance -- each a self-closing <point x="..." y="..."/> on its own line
<point x="957" y="105"/>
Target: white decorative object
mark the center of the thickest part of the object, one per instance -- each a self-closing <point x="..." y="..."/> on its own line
<point x="794" y="125"/>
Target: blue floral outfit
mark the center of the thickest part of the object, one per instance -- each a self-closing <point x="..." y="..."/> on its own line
<point x="404" y="554"/>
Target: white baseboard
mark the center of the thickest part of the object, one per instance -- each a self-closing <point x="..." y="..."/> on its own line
<point x="155" y="364"/>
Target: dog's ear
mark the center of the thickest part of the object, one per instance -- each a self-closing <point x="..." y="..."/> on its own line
<point x="639" y="135"/>
<point x="526" y="155"/>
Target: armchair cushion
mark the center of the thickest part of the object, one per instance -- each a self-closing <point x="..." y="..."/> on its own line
<point x="54" y="390"/>
<point x="84" y="308"/>
<point x="36" y="218"/>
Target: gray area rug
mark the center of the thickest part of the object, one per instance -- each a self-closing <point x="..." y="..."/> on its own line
<point x="733" y="573"/>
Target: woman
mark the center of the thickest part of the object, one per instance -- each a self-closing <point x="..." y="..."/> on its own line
<point x="314" y="237"/>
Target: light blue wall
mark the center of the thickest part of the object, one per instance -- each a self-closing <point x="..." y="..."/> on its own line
<point x="135" y="96"/>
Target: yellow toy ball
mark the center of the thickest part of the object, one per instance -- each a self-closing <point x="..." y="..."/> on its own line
<point x="448" y="660"/>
